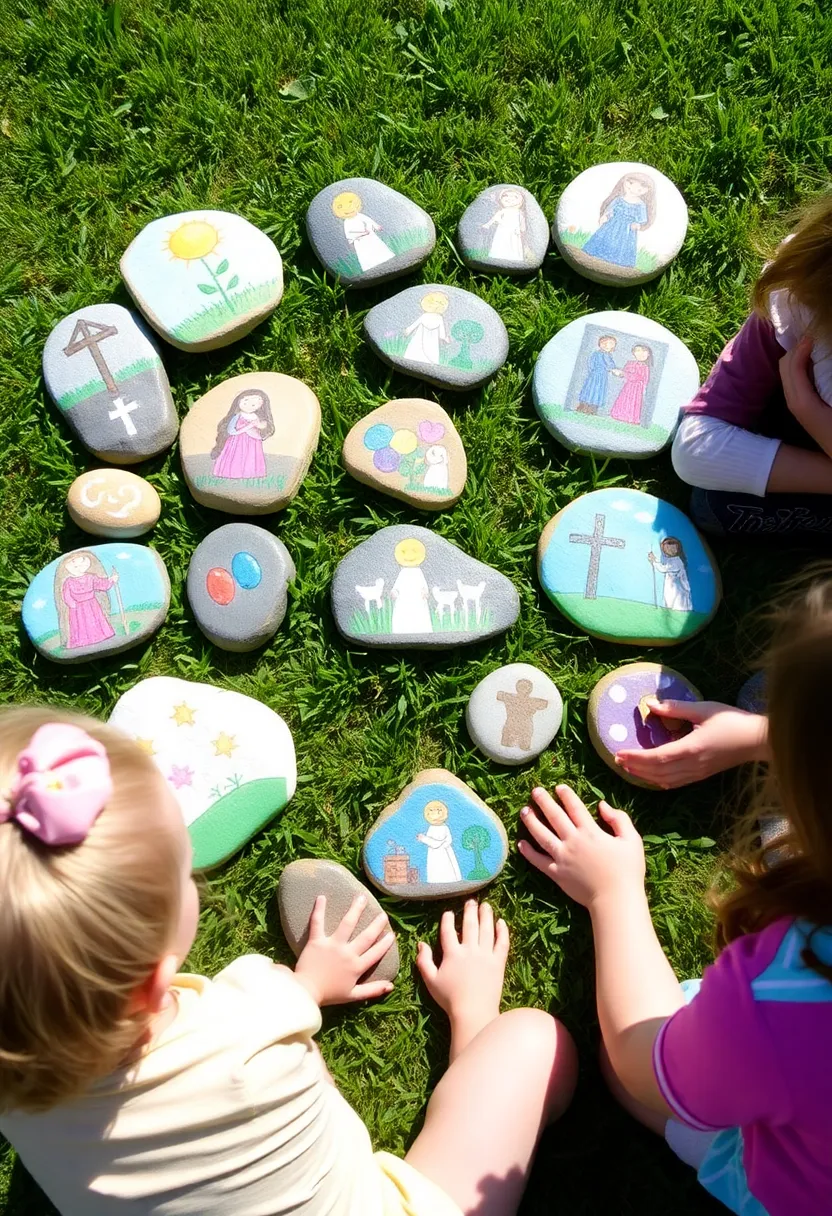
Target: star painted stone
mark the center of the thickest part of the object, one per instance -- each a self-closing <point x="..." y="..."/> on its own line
<point x="229" y="760"/>
<point x="300" y="885"/>
<point x="409" y="449"/>
<point x="629" y="567"/>
<point x="436" y="840"/>
<point x="620" y="223"/>
<point x="504" y="229"/>
<point x="104" y="374"/>
<point x="113" y="503"/>
<point x="364" y="232"/>
<point x="613" y="384"/>
<point x="96" y="601"/>
<point x="514" y="713"/>
<point x="406" y="587"/>
<point x="203" y="279"/>
<point x="440" y="334"/>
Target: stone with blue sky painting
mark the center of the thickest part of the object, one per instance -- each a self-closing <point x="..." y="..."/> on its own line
<point x="228" y="759"/>
<point x="440" y="334"/>
<point x="96" y="601"/>
<point x="504" y="229"/>
<point x="620" y="223"/>
<point x="629" y="567"/>
<point x="364" y="232"/>
<point x="613" y="384"/>
<point x="619" y="718"/>
<point x="406" y="587"/>
<point x="408" y="448"/>
<point x="436" y="840"/>
<point x="203" y="279"/>
<point x="514" y="713"/>
<point x="238" y="581"/>
<point x="104" y="374"/>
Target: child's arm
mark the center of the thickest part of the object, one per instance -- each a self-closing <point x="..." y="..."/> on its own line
<point x="330" y="967"/>
<point x="636" y="988"/>
<point x="722" y="738"/>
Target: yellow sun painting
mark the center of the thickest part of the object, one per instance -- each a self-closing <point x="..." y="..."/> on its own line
<point x="193" y="241"/>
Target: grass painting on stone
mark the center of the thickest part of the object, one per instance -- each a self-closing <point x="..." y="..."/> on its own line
<point x="206" y="322"/>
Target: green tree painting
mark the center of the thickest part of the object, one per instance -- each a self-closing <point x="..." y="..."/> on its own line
<point x="476" y="840"/>
<point x="467" y="334"/>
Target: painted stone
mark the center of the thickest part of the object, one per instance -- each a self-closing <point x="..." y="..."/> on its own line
<point x="752" y="696"/>
<point x="504" y="229"/>
<point x="409" y="449"/>
<point x="620" y="223"/>
<point x="629" y="567"/>
<point x="203" y="279"/>
<point x="444" y="335"/>
<point x="436" y="840"/>
<point x="618" y="716"/>
<point x="514" y="713"/>
<point x="300" y="885"/>
<point x="247" y="444"/>
<point x="96" y="601"/>
<point x="237" y="585"/>
<point x="228" y="759"/>
<point x="365" y="232"/>
<point x="104" y="374"/>
<point x="613" y="384"/>
<point x="114" y="503"/>
<point x="407" y="587"/>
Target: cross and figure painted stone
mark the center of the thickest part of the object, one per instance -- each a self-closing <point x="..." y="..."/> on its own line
<point x="597" y="542"/>
<point x="88" y="335"/>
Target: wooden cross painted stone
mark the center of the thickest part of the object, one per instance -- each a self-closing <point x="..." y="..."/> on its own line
<point x="87" y="335"/>
<point x="597" y="541"/>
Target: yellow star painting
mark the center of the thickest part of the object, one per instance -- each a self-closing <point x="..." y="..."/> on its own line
<point x="147" y="746"/>
<point x="224" y="744"/>
<point x="183" y="715"/>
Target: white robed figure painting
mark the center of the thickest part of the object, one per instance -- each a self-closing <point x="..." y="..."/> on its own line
<point x="509" y="224"/>
<point x="437" y="473"/>
<point x="410" y="593"/>
<point x="441" y="865"/>
<point x="361" y="231"/>
<point x="428" y="331"/>
<point x="676" y="594"/>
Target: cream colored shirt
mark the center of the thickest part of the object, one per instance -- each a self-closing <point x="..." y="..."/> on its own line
<point x="228" y="1113"/>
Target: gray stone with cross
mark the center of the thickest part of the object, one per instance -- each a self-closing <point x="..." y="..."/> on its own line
<point x="597" y="542"/>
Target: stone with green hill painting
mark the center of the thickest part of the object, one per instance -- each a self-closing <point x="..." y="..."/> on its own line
<point x="406" y="587"/>
<point x="104" y="374"/>
<point x="228" y="759"/>
<point x="364" y="232"/>
<point x="630" y="568"/>
<point x="614" y="384"/>
<point x="504" y="229"/>
<point x="440" y="334"/>
<point x="203" y="279"/>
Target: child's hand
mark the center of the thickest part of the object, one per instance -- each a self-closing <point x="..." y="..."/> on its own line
<point x="798" y="387"/>
<point x="330" y="967"/>
<point x="585" y="861"/>
<point x="722" y="738"/>
<point x="470" y="977"/>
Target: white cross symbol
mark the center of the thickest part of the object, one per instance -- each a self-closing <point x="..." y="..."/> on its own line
<point x="123" y="410"/>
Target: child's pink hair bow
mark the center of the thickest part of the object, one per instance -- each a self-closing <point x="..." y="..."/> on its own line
<point x="62" y="786"/>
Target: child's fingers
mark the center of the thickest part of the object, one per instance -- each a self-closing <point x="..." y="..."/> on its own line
<point x="574" y="807"/>
<point x="424" y="962"/>
<point x="541" y="861"/>
<point x="470" y="923"/>
<point x="486" y="934"/>
<point x="317" y="919"/>
<point x="543" y="835"/>
<point x="447" y="933"/>
<point x="351" y="918"/>
<point x="501" y="938"/>
<point x="363" y="940"/>
<point x="556" y="816"/>
<point x="376" y="953"/>
<point x="684" y="711"/>
<point x="370" y="990"/>
<point x="619" y="821"/>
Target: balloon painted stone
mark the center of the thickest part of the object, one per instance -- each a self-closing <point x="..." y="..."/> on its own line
<point x="444" y="335"/>
<point x="228" y="759"/>
<point x="436" y="840"/>
<point x="514" y="713"/>
<point x="365" y="232"/>
<point x="409" y="449"/>
<point x="504" y="229"/>
<point x="114" y="503"/>
<point x="618" y="715"/>
<point x="628" y="567"/>
<point x="620" y="223"/>
<point x="300" y="885"/>
<point x="203" y="278"/>
<point x="96" y="601"/>
<point x="104" y="374"/>
<point x="407" y="587"/>
<point x="613" y="384"/>
<point x="237" y="585"/>
<point x="247" y="444"/>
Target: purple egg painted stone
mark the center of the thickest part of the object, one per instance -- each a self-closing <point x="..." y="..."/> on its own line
<point x="386" y="460"/>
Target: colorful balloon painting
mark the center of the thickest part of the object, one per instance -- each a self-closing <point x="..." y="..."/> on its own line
<point x="220" y="586"/>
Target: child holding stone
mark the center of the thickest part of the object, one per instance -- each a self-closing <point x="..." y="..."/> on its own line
<point x="756" y="440"/>
<point x="734" y="1070"/>
<point x="127" y="1087"/>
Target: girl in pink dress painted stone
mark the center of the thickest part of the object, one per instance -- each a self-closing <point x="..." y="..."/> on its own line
<point x="81" y="587"/>
<point x="238" y="452"/>
<point x="636" y="373"/>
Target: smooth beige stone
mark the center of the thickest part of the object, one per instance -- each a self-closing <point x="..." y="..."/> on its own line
<point x="113" y="502"/>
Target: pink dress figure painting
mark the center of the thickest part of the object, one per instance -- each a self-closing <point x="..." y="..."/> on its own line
<point x="636" y="374"/>
<point x="82" y="600"/>
<point x="238" y="451"/>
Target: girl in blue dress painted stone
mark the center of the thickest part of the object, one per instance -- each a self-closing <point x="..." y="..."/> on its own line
<point x="600" y="364"/>
<point x="629" y="210"/>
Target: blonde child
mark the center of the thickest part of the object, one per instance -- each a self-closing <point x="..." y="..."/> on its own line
<point x="735" y="1071"/>
<point x="128" y="1087"/>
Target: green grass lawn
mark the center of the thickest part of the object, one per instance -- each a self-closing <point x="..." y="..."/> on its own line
<point x="112" y="114"/>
